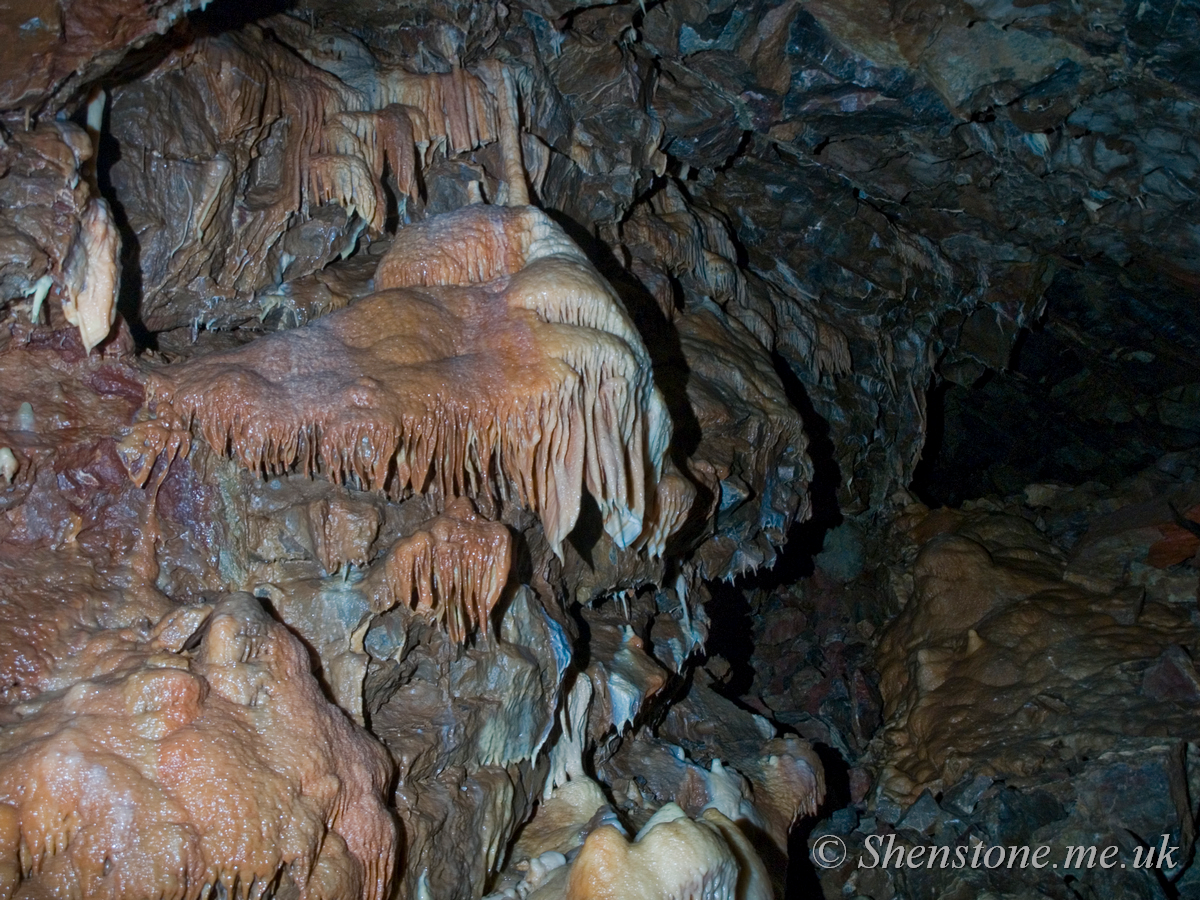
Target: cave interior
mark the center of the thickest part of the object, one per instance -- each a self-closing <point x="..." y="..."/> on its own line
<point x="580" y="450"/>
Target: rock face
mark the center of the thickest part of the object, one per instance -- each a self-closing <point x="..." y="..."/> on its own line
<point x="400" y="505"/>
<point x="109" y="772"/>
<point x="1038" y="690"/>
<point x="1000" y="666"/>
<point x="387" y="392"/>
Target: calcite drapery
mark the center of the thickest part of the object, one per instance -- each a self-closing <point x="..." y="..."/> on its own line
<point x="455" y="568"/>
<point x="498" y="364"/>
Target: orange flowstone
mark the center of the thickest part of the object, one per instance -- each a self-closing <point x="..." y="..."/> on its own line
<point x="453" y="568"/>
<point x="503" y="367"/>
<point x="165" y="772"/>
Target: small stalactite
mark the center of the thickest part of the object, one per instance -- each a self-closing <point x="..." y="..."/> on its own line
<point x="453" y="568"/>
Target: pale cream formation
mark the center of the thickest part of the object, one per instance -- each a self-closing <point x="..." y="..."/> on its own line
<point x="562" y="819"/>
<point x="387" y="139"/>
<point x="583" y="324"/>
<point x="999" y="666"/>
<point x="453" y="568"/>
<point x="673" y="858"/>
<point x="8" y="465"/>
<point x="499" y="364"/>
<point x="160" y="771"/>
<point x="90" y="297"/>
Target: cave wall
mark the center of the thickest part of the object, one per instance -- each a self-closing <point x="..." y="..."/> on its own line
<point x="823" y="227"/>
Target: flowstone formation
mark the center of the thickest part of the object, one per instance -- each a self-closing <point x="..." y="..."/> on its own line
<point x="360" y="606"/>
<point x="109" y="771"/>
<point x="498" y="364"/>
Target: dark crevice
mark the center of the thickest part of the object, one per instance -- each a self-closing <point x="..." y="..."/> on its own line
<point x="805" y="539"/>
<point x="803" y="882"/>
<point x="731" y="636"/>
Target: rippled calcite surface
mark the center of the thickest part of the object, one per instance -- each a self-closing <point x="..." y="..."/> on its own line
<point x="138" y="767"/>
<point x="1001" y="665"/>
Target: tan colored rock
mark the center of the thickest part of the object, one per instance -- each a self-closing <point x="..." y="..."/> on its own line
<point x="168" y="772"/>
<point x="999" y="666"/>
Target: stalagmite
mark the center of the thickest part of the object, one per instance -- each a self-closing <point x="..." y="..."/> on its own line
<point x="90" y="301"/>
<point x="453" y="568"/>
<point x="672" y="857"/>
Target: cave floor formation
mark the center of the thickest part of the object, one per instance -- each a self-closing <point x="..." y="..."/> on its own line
<point x="556" y="450"/>
<point x="1020" y="674"/>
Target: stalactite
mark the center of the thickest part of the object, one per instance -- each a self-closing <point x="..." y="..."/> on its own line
<point x="90" y="301"/>
<point x="502" y="86"/>
<point x="346" y="181"/>
<point x="673" y="501"/>
<point x="456" y="105"/>
<point x="454" y="568"/>
<point x="385" y="139"/>
<point x="536" y="384"/>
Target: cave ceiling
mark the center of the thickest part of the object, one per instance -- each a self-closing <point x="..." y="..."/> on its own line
<point x="887" y="196"/>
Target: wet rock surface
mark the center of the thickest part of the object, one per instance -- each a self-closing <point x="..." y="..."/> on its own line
<point x="457" y="567"/>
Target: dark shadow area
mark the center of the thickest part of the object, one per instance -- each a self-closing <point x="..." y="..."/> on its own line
<point x="221" y="17"/>
<point x="935" y="436"/>
<point x="805" y="539"/>
<point x="589" y="528"/>
<point x="731" y="636"/>
<point x="129" y="289"/>
<point x="802" y="877"/>
<point x="1105" y="385"/>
